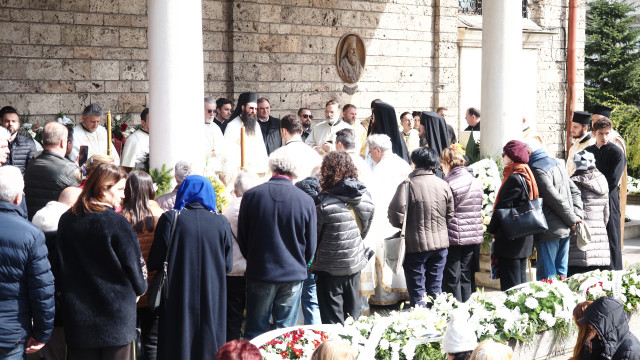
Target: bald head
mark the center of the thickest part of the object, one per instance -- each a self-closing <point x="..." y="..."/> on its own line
<point x="70" y="195"/>
<point x="54" y="138"/>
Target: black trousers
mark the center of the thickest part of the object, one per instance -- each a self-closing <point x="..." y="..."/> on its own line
<point x="458" y="272"/>
<point x="512" y="272"/>
<point x="236" y="299"/>
<point x="338" y="297"/>
<point x="106" y="353"/>
<point x="613" y="230"/>
<point x="148" y="324"/>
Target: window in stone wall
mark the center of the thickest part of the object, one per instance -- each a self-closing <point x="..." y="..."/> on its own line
<point x="474" y="7"/>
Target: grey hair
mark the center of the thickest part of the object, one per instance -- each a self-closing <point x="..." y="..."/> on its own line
<point x="282" y="161"/>
<point x="244" y="181"/>
<point x="4" y="134"/>
<point x="182" y="170"/>
<point x="210" y="100"/>
<point x="381" y="141"/>
<point x="53" y="133"/>
<point x="92" y="109"/>
<point x="532" y="144"/>
<point x="11" y="183"/>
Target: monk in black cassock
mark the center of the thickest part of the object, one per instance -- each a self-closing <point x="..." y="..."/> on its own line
<point x="435" y="130"/>
<point x="194" y="316"/>
<point x="611" y="162"/>
<point x="385" y="122"/>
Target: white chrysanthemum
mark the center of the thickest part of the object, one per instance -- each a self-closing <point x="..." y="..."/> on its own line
<point x="548" y="318"/>
<point x="384" y="344"/>
<point x="531" y="303"/>
<point x="541" y="294"/>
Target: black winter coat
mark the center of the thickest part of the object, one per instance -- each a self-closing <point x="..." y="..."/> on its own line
<point x="271" y="134"/>
<point x="45" y="178"/>
<point x="512" y="193"/>
<point x="608" y="317"/>
<point x="26" y="283"/>
<point x="341" y="250"/>
<point x="21" y="150"/>
<point x="193" y="319"/>
<point x="102" y="272"/>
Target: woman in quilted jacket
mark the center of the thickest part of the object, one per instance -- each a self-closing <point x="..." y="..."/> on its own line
<point x="143" y="213"/>
<point x="465" y="229"/>
<point x="344" y="217"/>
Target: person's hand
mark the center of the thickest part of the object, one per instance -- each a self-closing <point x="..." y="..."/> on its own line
<point x="33" y="346"/>
<point x="573" y="227"/>
<point x="319" y="150"/>
<point x="327" y="147"/>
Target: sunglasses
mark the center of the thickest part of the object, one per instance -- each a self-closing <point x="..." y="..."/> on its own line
<point x="210" y="111"/>
<point x="307" y="116"/>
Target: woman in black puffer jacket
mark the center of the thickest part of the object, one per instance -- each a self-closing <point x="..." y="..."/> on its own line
<point x="344" y="217"/>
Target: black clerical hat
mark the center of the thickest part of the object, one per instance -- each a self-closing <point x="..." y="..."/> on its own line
<point x="243" y="99"/>
<point x="602" y="110"/>
<point x="581" y="117"/>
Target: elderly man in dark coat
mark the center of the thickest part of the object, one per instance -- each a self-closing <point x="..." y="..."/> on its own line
<point x="277" y="235"/>
<point x="193" y="318"/>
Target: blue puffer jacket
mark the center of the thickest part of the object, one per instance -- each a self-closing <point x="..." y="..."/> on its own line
<point x="26" y="282"/>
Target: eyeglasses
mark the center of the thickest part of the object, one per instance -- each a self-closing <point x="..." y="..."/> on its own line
<point x="307" y="116"/>
<point x="210" y="111"/>
<point x="503" y="154"/>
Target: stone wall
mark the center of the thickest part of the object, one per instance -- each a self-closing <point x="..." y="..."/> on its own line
<point x="60" y="55"/>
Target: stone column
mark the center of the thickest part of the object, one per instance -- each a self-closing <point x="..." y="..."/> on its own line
<point x="176" y="82"/>
<point x="501" y="112"/>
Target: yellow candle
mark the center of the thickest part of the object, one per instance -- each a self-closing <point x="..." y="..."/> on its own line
<point x="242" y="147"/>
<point x="109" y="132"/>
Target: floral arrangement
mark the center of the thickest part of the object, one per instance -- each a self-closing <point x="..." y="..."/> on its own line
<point x="623" y="285"/>
<point x="120" y="126"/>
<point x="633" y="185"/>
<point x="221" y="193"/>
<point x="32" y="130"/>
<point x="296" y="344"/>
<point x="488" y="174"/>
<point x="457" y="147"/>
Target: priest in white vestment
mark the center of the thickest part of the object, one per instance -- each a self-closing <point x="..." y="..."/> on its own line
<point x="256" y="159"/>
<point x="137" y="144"/>
<point x="390" y="170"/>
<point x="214" y="143"/>
<point x="90" y="133"/>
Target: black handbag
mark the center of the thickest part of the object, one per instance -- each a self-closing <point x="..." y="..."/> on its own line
<point x="522" y="220"/>
<point x="158" y="286"/>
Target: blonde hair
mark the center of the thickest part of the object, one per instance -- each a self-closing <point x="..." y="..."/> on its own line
<point x="491" y="350"/>
<point x="97" y="159"/>
<point x="333" y="350"/>
<point x="452" y="157"/>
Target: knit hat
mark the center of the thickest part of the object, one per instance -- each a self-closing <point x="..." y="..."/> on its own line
<point x="516" y="151"/>
<point x="584" y="160"/>
<point x="459" y="336"/>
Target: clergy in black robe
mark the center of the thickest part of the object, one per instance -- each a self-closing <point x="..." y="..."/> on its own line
<point x="193" y="318"/>
<point x="385" y="122"/>
<point x="611" y="162"/>
<point x="435" y="130"/>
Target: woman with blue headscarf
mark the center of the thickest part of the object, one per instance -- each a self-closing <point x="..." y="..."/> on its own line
<point x="193" y="318"/>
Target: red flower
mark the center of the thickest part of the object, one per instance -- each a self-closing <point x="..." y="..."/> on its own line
<point x="123" y="127"/>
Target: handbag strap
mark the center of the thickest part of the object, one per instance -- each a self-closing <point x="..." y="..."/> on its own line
<point x="173" y="230"/>
<point x="526" y="187"/>
<point x="406" y="210"/>
<point x="353" y="213"/>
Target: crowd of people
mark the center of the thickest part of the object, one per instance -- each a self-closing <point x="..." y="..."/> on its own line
<point x="311" y="206"/>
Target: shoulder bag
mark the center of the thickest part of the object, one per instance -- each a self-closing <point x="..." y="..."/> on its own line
<point x="394" y="246"/>
<point x="158" y="288"/>
<point x="523" y="220"/>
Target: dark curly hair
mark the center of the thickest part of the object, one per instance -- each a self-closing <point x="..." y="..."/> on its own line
<point x="336" y="166"/>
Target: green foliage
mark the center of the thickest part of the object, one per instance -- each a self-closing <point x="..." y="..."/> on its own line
<point x="429" y="351"/>
<point x="221" y="198"/>
<point x="612" y="59"/>
<point x="162" y="178"/>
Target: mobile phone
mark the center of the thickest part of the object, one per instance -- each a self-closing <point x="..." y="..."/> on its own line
<point x="83" y="155"/>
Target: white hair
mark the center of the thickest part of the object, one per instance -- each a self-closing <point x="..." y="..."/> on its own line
<point x="282" y="161"/>
<point x="182" y="170"/>
<point x="381" y="141"/>
<point x="244" y="181"/>
<point x="532" y="144"/>
<point x="11" y="183"/>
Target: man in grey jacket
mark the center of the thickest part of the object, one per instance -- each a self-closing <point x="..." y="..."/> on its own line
<point x="562" y="207"/>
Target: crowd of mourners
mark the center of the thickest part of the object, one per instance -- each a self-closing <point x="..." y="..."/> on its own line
<point x="305" y="232"/>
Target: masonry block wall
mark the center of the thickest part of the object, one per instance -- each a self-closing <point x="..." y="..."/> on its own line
<point x="60" y="55"/>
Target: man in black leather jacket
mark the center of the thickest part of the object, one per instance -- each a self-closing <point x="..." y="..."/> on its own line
<point x="269" y="126"/>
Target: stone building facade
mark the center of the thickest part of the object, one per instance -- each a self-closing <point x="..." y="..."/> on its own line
<point x="60" y="55"/>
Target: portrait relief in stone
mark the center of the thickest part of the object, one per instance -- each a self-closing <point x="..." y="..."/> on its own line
<point x="350" y="58"/>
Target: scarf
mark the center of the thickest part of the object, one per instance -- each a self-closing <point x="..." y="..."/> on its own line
<point x="196" y="189"/>
<point x="524" y="170"/>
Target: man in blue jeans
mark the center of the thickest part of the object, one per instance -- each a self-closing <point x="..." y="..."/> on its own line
<point x="562" y="207"/>
<point x="277" y="235"/>
<point x="26" y="282"/>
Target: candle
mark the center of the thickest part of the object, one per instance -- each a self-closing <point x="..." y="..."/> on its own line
<point x="109" y="132"/>
<point x="242" y="147"/>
